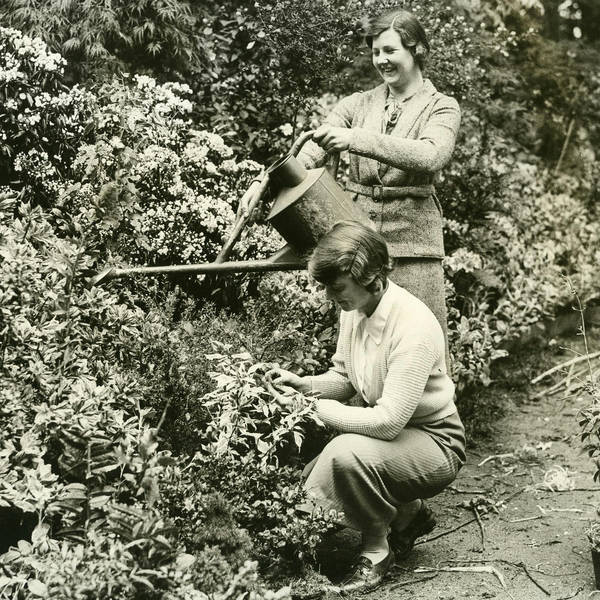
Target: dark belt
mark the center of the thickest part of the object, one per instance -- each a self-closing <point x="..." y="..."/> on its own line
<point x="382" y="192"/>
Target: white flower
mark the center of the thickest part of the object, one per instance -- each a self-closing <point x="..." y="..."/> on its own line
<point x="286" y="129"/>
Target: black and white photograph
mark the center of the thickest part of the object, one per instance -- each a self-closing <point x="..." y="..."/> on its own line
<point x="299" y="299"/>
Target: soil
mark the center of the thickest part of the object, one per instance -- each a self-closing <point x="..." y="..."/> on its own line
<point x="535" y="501"/>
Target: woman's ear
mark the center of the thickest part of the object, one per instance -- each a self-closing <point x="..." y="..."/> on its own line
<point x="376" y="286"/>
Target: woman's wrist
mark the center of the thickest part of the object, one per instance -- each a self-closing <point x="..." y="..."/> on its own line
<point x="306" y="384"/>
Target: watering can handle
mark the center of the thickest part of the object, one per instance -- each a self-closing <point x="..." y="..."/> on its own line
<point x="302" y="139"/>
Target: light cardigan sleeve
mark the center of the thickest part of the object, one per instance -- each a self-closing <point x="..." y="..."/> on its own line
<point x="335" y="383"/>
<point x="409" y="370"/>
<point x="429" y="153"/>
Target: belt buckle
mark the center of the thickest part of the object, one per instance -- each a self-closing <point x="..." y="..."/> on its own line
<point x="377" y="193"/>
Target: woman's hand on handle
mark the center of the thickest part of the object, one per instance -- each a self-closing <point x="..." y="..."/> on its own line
<point x="333" y="139"/>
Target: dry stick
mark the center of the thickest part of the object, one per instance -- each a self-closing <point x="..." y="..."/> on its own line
<point x="493" y="456"/>
<point x="568" y="363"/>
<point x="577" y="489"/>
<point x="579" y="589"/>
<point x="515" y="494"/>
<point x="524" y="566"/>
<point x="527" y="519"/>
<point x="557" y="386"/>
<point x="565" y="146"/>
<point x="521" y="565"/>
<point x="461" y="491"/>
<point x="482" y="569"/>
<point x="569" y="375"/>
<point x="439" y="535"/>
<point x="481" y="529"/>
<point x="410" y="582"/>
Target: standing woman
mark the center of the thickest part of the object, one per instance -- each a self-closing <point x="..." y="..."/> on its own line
<point x="399" y="135"/>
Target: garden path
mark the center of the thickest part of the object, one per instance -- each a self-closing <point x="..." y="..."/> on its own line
<point x="535" y="546"/>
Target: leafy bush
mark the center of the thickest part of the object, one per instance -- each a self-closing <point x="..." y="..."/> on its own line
<point x="266" y="501"/>
<point x="96" y="40"/>
<point x="77" y="449"/>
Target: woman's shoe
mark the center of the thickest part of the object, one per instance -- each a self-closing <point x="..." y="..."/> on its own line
<point x="402" y="542"/>
<point x="366" y="576"/>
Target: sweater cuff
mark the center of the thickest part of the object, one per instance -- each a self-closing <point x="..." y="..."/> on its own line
<point x="359" y="140"/>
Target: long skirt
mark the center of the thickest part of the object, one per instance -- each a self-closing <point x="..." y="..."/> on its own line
<point x="424" y="278"/>
<point x="367" y="479"/>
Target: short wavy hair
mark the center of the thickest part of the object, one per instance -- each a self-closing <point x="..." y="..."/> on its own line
<point x="407" y="26"/>
<point x="350" y="248"/>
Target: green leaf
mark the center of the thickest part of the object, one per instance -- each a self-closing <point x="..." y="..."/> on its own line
<point x="184" y="561"/>
<point x="37" y="588"/>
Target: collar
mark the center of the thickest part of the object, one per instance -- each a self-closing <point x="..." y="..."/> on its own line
<point x="390" y="99"/>
<point x="375" y="324"/>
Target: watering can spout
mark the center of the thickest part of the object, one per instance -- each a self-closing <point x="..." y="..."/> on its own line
<point x="285" y="259"/>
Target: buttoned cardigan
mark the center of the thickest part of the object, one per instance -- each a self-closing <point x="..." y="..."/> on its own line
<point x="408" y="373"/>
<point x="411" y="155"/>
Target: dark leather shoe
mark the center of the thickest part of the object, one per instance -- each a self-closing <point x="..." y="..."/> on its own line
<point x="366" y="576"/>
<point x="402" y="542"/>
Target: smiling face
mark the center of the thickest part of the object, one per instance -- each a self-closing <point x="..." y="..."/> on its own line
<point x="349" y="295"/>
<point x="394" y="62"/>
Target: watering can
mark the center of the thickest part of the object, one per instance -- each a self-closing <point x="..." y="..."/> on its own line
<point x="308" y="202"/>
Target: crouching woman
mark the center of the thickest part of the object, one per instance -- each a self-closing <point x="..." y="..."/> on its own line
<point x="405" y="441"/>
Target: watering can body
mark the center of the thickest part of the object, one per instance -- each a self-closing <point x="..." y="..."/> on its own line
<point x="308" y="204"/>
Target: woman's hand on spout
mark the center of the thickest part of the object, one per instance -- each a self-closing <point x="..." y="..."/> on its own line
<point x="333" y="139"/>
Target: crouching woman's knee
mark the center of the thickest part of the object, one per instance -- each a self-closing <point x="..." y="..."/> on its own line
<point x="346" y="451"/>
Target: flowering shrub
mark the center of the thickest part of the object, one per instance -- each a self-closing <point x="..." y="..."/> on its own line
<point x="171" y="191"/>
<point x="37" y="112"/>
<point x="97" y="40"/>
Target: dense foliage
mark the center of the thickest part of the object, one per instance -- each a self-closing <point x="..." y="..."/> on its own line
<point x="141" y="454"/>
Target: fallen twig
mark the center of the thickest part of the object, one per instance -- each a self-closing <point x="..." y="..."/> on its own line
<point x="520" y="565"/>
<point x="564" y="384"/>
<point x="569" y="375"/>
<point x="579" y="589"/>
<point x="527" y="519"/>
<point x="481" y="529"/>
<point x="461" y="491"/>
<point x="411" y="581"/>
<point x="568" y="363"/>
<point x="514" y="494"/>
<point x="544" y="488"/>
<point x="555" y="388"/>
<point x="439" y="535"/>
<point x="494" y="456"/>
<point x="472" y="569"/>
<point x="524" y="567"/>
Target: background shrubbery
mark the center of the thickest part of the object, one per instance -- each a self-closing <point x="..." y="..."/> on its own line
<point x="138" y="450"/>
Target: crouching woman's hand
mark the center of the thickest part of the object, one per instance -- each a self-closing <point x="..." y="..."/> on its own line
<point x="282" y="384"/>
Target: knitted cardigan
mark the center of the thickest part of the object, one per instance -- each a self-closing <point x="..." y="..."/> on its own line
<point x="420" y="144"/>
<point x="408" y="372"/>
